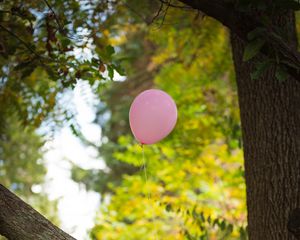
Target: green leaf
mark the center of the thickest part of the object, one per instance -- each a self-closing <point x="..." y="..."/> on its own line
<point x="65" y="42"/>
<point x="252" y="49"/>
<point x="168" y="207"/>
<point x="290" y="64"/>
<point x="257" y="32"/>
<point x="222" y="225"/>
<point x="110" y="72"/>
<point x="22" y="65"/>
<point x="261" y="67"/>
<point x="74" y="130"/>
<point x="106" y="54"/>
<point x="281" y="74"/>
<point x="27" y="71"/>
<point x="243" y="234"/>
<point x="110" y="50"/>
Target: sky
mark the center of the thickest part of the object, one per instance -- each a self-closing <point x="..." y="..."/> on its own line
<point x="77" y="207"/>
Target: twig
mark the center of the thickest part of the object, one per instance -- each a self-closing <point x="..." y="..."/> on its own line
<point x="158" y="12"/>
<point x="135" y="12"/>
<point x="175" y="6"/>
<point x="165" y="14"/>
<point x="60" y="27"/>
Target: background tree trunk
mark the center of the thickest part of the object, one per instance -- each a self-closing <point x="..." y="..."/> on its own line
<point x="19" y="221"/>
<point x="270" y="115"/>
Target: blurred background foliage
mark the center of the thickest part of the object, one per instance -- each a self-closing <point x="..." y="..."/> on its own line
<point x="195" y="186"/>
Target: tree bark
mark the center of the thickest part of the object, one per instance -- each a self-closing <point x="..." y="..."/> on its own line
<point x="270" y="116"/>
<point x="19" y="221"/>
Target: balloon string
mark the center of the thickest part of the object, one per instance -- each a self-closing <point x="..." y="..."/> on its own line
<point x="144" y="163"/>
<point x="146" y="181"/>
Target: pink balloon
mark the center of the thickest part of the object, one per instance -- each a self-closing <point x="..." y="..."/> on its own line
<point x="152" y="116"/>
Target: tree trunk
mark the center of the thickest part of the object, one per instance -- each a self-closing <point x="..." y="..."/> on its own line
<point x="19" y="221"/>
<point x="270" y="116"/>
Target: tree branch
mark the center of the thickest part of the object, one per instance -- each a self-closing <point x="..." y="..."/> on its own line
<point x="19" y="221"/>
<point x="20" y="40"/>
<point x="218" y="10"/>
<point x="241" y="24"/>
